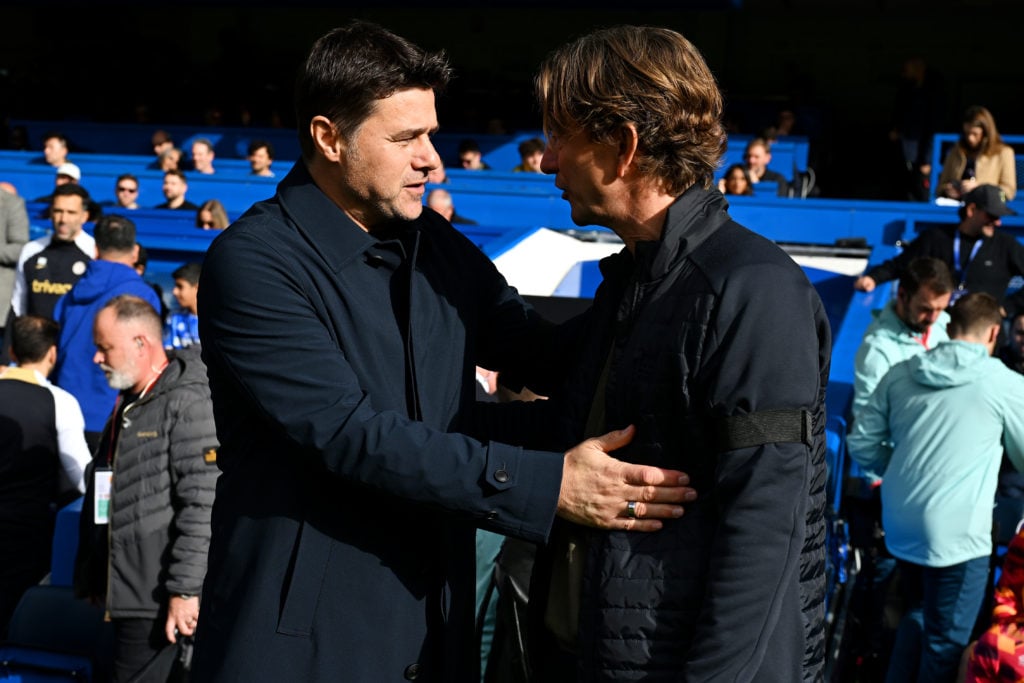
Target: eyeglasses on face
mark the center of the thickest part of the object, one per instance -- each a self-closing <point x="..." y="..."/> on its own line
<point x="128" y="189"/>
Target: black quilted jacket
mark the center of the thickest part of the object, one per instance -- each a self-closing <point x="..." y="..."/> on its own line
<point x="711" y="321"/>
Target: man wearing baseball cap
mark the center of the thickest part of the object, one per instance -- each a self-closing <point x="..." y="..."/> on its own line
<point x="980" y="257"/>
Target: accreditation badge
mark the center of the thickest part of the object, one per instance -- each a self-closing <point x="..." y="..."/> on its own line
<point x="102" y="479"/>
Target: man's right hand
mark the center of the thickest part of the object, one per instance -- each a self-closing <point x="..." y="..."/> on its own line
<point x="864" y="284"/>
<point x="597" y="488"/>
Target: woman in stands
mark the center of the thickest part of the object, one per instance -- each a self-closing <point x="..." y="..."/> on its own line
<point x="212" y="216"/>
<point x="980" y="157"/>
<point x="736" y="181"/>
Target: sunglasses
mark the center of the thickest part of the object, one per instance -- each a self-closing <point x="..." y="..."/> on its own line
<point x="127" y="189"/>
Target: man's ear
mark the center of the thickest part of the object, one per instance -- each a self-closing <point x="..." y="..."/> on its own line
<point x="993" y="334"/>
<point x="51" y="355"/>
<point x="629" y="142"/>
<point x="326" y="138"/>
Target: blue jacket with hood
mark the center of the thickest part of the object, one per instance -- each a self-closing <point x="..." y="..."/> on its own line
<point x="75" y="372"/>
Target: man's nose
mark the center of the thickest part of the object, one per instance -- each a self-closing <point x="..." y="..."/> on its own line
<point x="426" y="156"/>
<point x="549" y="162"/>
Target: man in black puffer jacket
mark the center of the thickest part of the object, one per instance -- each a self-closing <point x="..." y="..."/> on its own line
<point x="711" y="341"/>
<point x="145" y="525"/>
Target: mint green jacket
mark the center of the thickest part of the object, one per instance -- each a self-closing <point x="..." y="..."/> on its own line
<point x="888" y="341"/>
<point x="935" y="429"/>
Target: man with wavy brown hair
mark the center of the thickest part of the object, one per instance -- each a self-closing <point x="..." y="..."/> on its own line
<point x="685" y="340"/>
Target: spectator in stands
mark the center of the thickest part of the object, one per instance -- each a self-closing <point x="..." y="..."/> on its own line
<point x="633" y="116"/>
<point x="934" y="429"/>
<point x="261" y="156"/>
<point x="182" y="328"/>
<point x="981" y="258"/>
<point x="530" y="153"/>
<point x="470" y="157"/>
<point x="757" y="156"/>
<point x="55" y="149"/>
<point x="169" y="160"/>
<point x="1012" y="353"/>
<point x="161" y="142"/>
<point x="111" y="274"/>
<point x="146" y="562"/>
<point x="998" y="655"/>
<point x="736" y="180"/>
<point x="42" y="452"/>
<point x="49" y="267"/>
<point x="441" y="201"/>
<point x="175" y="187"/>
<point x="13" y="236"/>
<point x="318" y="262"/>
<point x="202" y="156"/>
<point x="211" y="215"/>
<point x="980" y="157"/>
<point x="66" y="173"/>
<point x="126" y="192"/>
<point x="912" y="323"/>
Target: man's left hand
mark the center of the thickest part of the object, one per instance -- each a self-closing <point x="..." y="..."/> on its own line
<point x="182" y="616"/>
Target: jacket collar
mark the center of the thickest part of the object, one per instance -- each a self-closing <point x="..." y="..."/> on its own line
<point x="336" y="236"/>
<point x="692" y="218"/>
<point x="321" y="221"/>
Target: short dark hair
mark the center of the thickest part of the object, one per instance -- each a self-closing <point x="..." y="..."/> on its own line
<point x="973" y="314"/>
<point x="352" y="67"/>
<point x="126" y="176"/>
<point x="531" y="146"/>
<point x="189" y="272"/>
<point x="926" y="271"/>
<point x="176" y="172"/>
<point x="32" y="336"/>
<point x="114" y="234"/>
<point x="255" y="146"/>
<point x="68" y="189"/>
<point x="55" y="135"/>
<point x="206" y="142"/>
<point x="468" y="145"/>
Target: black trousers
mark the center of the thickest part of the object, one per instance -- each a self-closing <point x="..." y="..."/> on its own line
<point x="142" y="653"/>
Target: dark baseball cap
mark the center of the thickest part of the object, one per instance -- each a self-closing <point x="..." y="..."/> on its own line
<point x="990" y="199"/>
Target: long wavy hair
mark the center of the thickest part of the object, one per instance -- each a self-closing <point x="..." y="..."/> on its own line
<point x="653" y="78"/>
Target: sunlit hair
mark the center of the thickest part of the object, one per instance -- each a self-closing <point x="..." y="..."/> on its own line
<point x="651" y="77"/>
<point x="352" y="67"/>
<point x="973" y="315"/>
<point x="217" y="212"/>
<point x="980" y="117"/>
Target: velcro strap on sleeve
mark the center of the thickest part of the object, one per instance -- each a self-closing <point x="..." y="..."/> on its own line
<point x="766" y="426"/>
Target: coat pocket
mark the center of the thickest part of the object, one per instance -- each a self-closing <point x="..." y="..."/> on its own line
<point x="304" y="581"/>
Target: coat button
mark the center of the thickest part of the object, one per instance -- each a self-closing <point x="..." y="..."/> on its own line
<point x="412" y="672"/>
<point x="501" y="476"/>
<point x="491" y="515"/>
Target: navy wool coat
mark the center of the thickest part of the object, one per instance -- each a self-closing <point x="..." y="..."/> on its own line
<point x="341" y="363"/>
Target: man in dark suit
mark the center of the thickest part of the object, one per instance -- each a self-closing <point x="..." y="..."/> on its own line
<point x="341" y="326"/>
